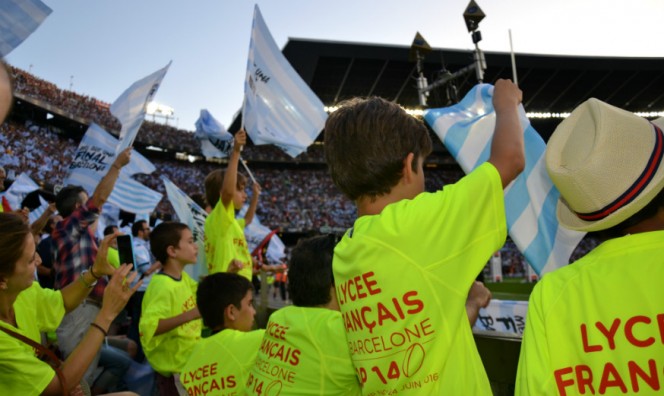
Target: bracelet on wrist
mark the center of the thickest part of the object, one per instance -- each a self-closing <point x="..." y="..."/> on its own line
<point x="98" y="327"/>
<point x="92" y="272"/>
<point x="86" y="283"/>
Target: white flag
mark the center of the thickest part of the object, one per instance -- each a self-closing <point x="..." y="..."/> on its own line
<point x="216" y="141"/>
<point x="255" y="234"/>
<point x="279" y="107"/>
<point x="466" y="129"/>
<point x="191" y="214"/>
<point x="18" y="19"/>
<point x="131" y="106"/>
<point x="20" y="188"/>
<point x="93" y="158"/>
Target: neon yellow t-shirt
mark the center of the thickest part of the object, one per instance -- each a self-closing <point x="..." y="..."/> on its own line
<point x="219" y="364"/>
<point x="597" y="326"/>
<point x="402" y="278"/>
<point x="224" y="241"/>
<point x="113" y="257"/>
<point x="167" y="297"/>
<point x="21" y="373"/>
<point x="304" y="352"/>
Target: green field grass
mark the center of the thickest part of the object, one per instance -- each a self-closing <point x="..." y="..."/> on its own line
<point x="511" y="289"/>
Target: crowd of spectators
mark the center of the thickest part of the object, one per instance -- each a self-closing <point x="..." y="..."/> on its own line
<point x="292" y="199"/>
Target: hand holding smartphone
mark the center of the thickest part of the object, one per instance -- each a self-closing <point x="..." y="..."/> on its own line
<point x="126" y="250"/>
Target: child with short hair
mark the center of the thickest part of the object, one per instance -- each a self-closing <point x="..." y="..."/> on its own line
<point x="225" y="245"/>
<point x="310" y="333"/>
<point x="170" y="324"/>
<point x="219" y="364"/>
<point x="403" y="272"/>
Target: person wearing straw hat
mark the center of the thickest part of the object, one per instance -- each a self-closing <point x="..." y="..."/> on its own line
<point x="597" y="326"/>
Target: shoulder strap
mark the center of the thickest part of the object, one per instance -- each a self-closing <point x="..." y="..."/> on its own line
<point x="43" y="351"/>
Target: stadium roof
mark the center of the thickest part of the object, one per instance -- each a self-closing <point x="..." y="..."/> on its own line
<point x="551" y="84"/>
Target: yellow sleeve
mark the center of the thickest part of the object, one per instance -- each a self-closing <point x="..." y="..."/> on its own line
<point x="534" y="373"/>
<point x="156" y="306"/>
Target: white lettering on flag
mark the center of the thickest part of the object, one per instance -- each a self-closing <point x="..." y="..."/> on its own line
<point x="466" y="129"/>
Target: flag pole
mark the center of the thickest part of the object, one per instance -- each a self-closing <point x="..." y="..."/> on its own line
<point x="244" y="163"/>
<point x="516" y="82"/>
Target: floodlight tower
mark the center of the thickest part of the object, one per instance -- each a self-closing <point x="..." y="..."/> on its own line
<point x="472" y="16"/>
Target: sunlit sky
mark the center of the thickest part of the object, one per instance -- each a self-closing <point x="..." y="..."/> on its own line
<point x="101" y="47"/>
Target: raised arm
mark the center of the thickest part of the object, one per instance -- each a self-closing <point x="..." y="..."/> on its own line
<point x="507" y="153"/>
<point x="230" y="177"/>
<point x="38" y="225"/>
<point x="251" y="212"/>
<point x="75" y="292"/>
<point x="106" y="184"/>
<point x="116" y="295"/>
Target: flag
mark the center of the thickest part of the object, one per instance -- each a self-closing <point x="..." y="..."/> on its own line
<point x="92" y="160"/>
<point x="191" y="214"/>
<point x="256" y="232"/>
<point x="279" y="108"/>
<point x="466" y="130"/>
<point x="18" y="19"/>
<point x="131" y="106"/>
<point x="215" y="140"/>
<point x="138" y="164"/>
<point x="20" y="188"/>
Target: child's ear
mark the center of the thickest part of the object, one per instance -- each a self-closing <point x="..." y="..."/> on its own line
<point x="229" y="312"/>
<point x="171" y="251"/>
<point x="407" y="171"/>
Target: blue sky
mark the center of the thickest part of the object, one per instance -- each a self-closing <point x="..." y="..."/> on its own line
<point x="106" y="45"/>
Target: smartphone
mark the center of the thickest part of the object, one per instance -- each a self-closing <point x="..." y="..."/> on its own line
<point x="126" y="250"/>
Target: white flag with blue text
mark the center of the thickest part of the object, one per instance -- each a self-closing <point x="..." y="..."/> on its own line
<point x="18" y="19"/>
<point x="279" y="108"/>
<point x="216" y="141"/>
<point x="466" y="129"/>
<point x="131" y="106"/>
<point x="93" y="158"/>
<point x="191" y="214"/>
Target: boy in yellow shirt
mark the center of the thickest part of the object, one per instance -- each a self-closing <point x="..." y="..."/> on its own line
<point x="219" y="364"/>
<point x="314" y="358"/>
<point x="170" y="324"/>
<point x="403" y="272"/>
<point x="597" y="326"/>
<point x="225" y="245"/>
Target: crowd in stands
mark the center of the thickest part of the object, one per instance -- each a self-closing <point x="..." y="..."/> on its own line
<point x="292" y="200"/>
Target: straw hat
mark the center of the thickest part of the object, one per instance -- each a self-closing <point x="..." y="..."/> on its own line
<point x="606" y="163"/>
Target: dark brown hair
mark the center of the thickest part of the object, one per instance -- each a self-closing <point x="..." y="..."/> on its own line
<point x="213" y="183"/>
<point x="13" y="233"/>
<point x="366" y="142"/>
<point x="164" y="235"/>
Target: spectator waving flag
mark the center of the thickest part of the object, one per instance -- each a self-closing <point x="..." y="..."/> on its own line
<point x="93" y="158"/>
<point x="279" y="108"/>
<point x="131" y="106"/>
<point x="466" y="130"/>
<point x="216" y="141"/>
<point x="18" y="19"/>
<point x="191" y="214"/>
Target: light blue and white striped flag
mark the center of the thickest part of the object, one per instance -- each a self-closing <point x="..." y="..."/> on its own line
<point x="279" y="108"/>
<point x="466" y="129"/>
<point x="138" y="164"/>
<point x="131" y="106"/>
<point x="191" y="214"/>
<point x="18" y="19"/>
<point x="216" y="141"/>
<point x="93" y="158"/>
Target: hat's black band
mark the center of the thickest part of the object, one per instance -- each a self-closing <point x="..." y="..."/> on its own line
<point x="637" y="187"/>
